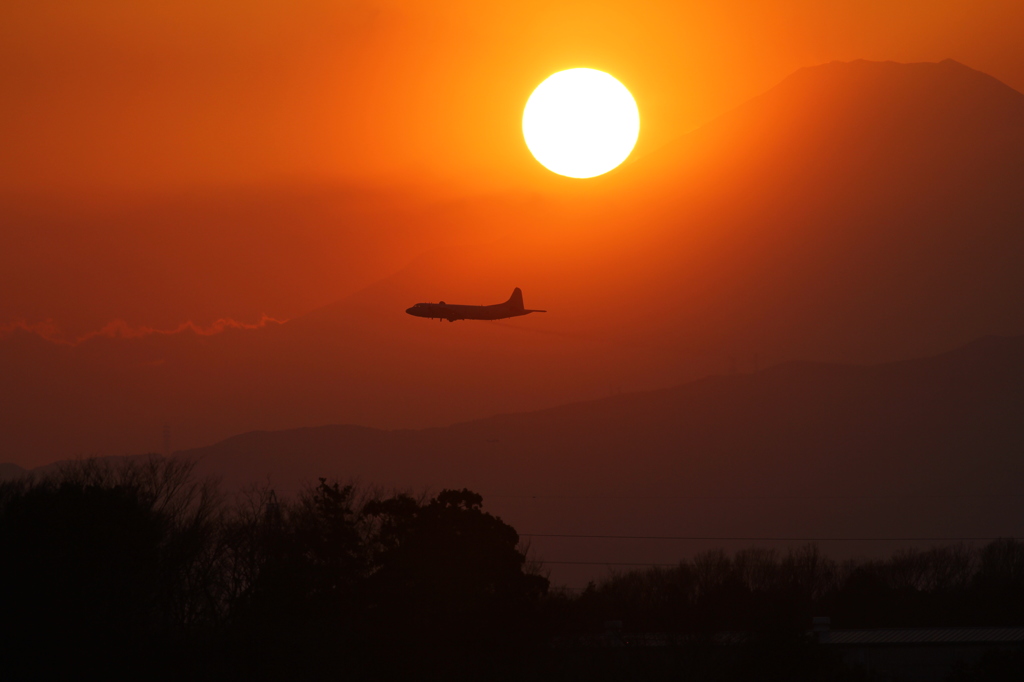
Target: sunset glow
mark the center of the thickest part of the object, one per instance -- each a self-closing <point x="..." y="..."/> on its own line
<point x="374" y="339"/>
<point x="581" y="123"/>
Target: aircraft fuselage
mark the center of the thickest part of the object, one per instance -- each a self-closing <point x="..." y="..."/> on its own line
<point x="513" y="307"/>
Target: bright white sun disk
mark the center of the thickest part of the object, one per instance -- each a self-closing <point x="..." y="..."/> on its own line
<point x="581" y="123"/>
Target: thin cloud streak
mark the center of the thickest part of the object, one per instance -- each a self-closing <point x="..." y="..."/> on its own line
<point x="120" y="329"/>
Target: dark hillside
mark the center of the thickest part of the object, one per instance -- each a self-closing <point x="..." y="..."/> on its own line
<point x="923" y="448"/>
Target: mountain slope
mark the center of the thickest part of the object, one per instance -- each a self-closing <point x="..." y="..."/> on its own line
<point x="928" y="448"/>
<point x="923" y="448"/>
<point x="935" y="425"/>
<point x="860" y="212"/>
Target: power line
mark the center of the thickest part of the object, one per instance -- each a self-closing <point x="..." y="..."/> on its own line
<point x="811" y="498"/>
<point x="762" y="539"/>
<point x="604" y="563"/>
<point x="762" y="497"/>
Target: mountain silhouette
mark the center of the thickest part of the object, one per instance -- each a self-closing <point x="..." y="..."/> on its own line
<point x="927" y="448"/>
<point x="856" y="213"/>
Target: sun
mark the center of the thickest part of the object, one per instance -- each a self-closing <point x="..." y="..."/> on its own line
<point x="581" y="123"/>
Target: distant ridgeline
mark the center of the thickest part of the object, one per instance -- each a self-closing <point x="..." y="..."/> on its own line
<point x="855" y="213"/>
<point x="927" y="448"/>
<point x="140" y="568"/>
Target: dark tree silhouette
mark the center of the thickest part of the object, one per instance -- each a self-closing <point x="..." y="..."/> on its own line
<point x="301" y="570"/>
<point x="99" y="565"/>
<point x="139" y="569"/>
<point x="449" y="586"/>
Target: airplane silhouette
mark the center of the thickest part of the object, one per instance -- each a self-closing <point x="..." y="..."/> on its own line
<point x="513" y="307"/>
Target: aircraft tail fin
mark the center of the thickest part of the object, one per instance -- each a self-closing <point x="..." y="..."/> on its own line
<point x="516" y="300"/>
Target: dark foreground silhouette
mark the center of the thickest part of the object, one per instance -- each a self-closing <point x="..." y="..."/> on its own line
<point x="140" y="569"/>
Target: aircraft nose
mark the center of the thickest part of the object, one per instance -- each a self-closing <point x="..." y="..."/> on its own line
<point x="410" y="311"/>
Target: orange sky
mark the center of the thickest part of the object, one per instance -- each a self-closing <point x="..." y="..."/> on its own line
<point x="330" y="164"/>
<point x="160" y="96"/>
